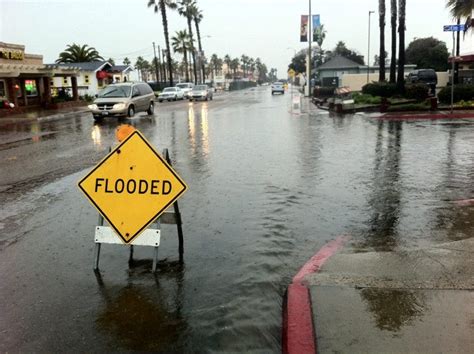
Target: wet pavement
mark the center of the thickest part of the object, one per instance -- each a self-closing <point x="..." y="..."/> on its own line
<point x="267" y="188"/>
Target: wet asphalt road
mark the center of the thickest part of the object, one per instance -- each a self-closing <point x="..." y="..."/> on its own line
<point x="267" y="188"/>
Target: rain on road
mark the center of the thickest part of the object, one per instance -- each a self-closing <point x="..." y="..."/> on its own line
<point x="267" y="188"/>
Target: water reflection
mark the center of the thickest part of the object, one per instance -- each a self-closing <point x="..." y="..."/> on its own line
<point x="143" y="317"/>
<point x="198" y="136"/>
<point x="96" y="136"/>
<point x="384" y="198"/>
<point x="392" y="308"/>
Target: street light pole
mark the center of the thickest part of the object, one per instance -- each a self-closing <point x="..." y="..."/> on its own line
<point x="156" y="64"/>
<point x="310" y="35"/>
<point x="368" y="49"/>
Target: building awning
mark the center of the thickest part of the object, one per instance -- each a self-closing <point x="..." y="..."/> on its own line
<point x="25" y="70"/>
<point x="467" y="58"/>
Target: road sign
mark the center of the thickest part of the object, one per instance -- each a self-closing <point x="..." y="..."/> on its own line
<point x="132" y="186"/>
<point x="453" y="28"/>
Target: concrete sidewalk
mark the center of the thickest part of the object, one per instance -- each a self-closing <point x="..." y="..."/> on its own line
<point x="44" y="114"/>
<point x="417" y="301"/>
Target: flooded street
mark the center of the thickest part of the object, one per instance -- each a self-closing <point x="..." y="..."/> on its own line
<point x="267" y="188"/>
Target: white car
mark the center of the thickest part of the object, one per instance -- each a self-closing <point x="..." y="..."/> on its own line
<point x="278" y="87"/>
<point x="187" y="87"/>
<point x="171" y="94"/>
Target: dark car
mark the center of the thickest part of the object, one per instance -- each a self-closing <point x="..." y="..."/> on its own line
<point x="424" y="76"/>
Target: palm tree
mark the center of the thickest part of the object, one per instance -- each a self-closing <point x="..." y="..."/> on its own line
<point x="251" y="65"/>
<point x="181" y="44"/>
<point x="401" y="49"/>
<point x="76" y="54"/>
<point x="161" y="6"/>
<point x="382" y="41"/>
<point x="244" y="59"/>
<point x="126" y="61"/>
<point x="227" y="61"/>
<point x="393" y="23"/>
<point x="185" y="9"/>
<point x="462" y="9"/>
<point x="198" y="16"/>
<point x="139" y="64"/>
<point x="111" y="61"/>
<point x="234" y="65"/>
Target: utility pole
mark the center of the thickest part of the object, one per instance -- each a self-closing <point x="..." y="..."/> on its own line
<point x="452" y="72"/>
<point x="310" y="35"/>
<point x="156" y="64"/>
<point x="164" y="65"/>
<point x="368" y="49"/>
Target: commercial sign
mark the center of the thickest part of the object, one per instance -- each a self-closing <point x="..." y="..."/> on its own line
<point x="316" y="26"/>
<point x="132" y="186"/>
<point x="11" y="54"/>
<point x="304" y="28"/>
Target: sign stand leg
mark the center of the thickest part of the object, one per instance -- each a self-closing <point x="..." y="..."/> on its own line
<point x="177" y="216"/>
<point x="155" y="260"/>
<point x="130" y="257"/>
<point x="97" y="246"/>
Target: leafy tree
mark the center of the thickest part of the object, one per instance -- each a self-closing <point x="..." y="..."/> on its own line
<point x="298" y="63"/>
<point x="401" y="48"/>
<point x="377" y="59"/>
<point x="126" y="61"/>
<point x="382" y="52"/>
<point x="76" y="54"/>
<point x="161" y="6"/>
<point x="428" y="53"/>
<point x="342" y="50"/>
<point x="186" y="8"/>
<point x="320" y="34"/>
<point x="182" y="44"/>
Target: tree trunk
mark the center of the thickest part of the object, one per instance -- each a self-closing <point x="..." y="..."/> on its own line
<point x="393" y="60"/>
<point x="382" y="40"/>
<point x="186" y="65"/>
<point x="167" y="40"/>
<point x="193" y="54"/>
<point x="401" y="48"/>
<point x="203" y="69"/>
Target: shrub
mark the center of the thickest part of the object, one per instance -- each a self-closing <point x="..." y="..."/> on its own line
<point x="382" y="89"/>
<point x="87" y="98"/>
<point x="366" y="99"/>
<point x="461" y="93"/>
<point x="417" y="92"/>
<point x="409" y="107"/>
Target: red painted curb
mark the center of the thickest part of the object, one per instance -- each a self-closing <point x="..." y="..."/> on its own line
<point x="298" y="333"/>
<point x="433" y="116"/>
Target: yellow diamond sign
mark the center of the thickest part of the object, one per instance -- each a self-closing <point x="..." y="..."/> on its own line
<point x="132" y="186"/>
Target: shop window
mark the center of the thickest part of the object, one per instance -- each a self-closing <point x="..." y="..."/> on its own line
<point x="86" y="79"/>
<point x="65" y="81"/>
<point x="3" y="91"/>
<point x="30" y="88"/>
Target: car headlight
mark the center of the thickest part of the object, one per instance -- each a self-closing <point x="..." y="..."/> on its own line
<point x="92" y="106"/>
<point x="119" y="106"/>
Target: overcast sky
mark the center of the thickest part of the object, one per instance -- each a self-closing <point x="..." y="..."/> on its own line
<point x="268" y="29"/>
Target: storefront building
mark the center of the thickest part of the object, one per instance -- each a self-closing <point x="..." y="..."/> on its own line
<point x="26" y="81"/>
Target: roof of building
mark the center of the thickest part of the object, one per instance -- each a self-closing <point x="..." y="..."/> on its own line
<point x="339" y="62"/>
<point x="121" y="68"/>
<point x="86" y="66"/>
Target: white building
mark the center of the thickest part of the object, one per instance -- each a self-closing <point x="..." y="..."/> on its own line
<point x="93" y="76"/>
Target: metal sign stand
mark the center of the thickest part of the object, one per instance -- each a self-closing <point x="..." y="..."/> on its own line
<point x="149" y="237"/>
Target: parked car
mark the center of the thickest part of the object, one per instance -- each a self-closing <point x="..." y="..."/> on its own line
<point x="124" y="99"/>
<point x="186" y="87"/>
<point x="278" y="87"/>
<point x="171" y="94"/>
<point x="201" y="92"/>
<point x="425" y="76"/>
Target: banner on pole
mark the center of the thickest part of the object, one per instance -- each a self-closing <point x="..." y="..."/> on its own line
<point x="316" y="26"/>
<point x="304" y="28"/>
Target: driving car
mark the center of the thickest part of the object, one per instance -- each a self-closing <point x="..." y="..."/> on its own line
<point x="124" y="99"/>
<point x="278" y="87"/>
<point x="186" y="87"/>
<point x="201" y="92"/>
<point x="171" y="94"/>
